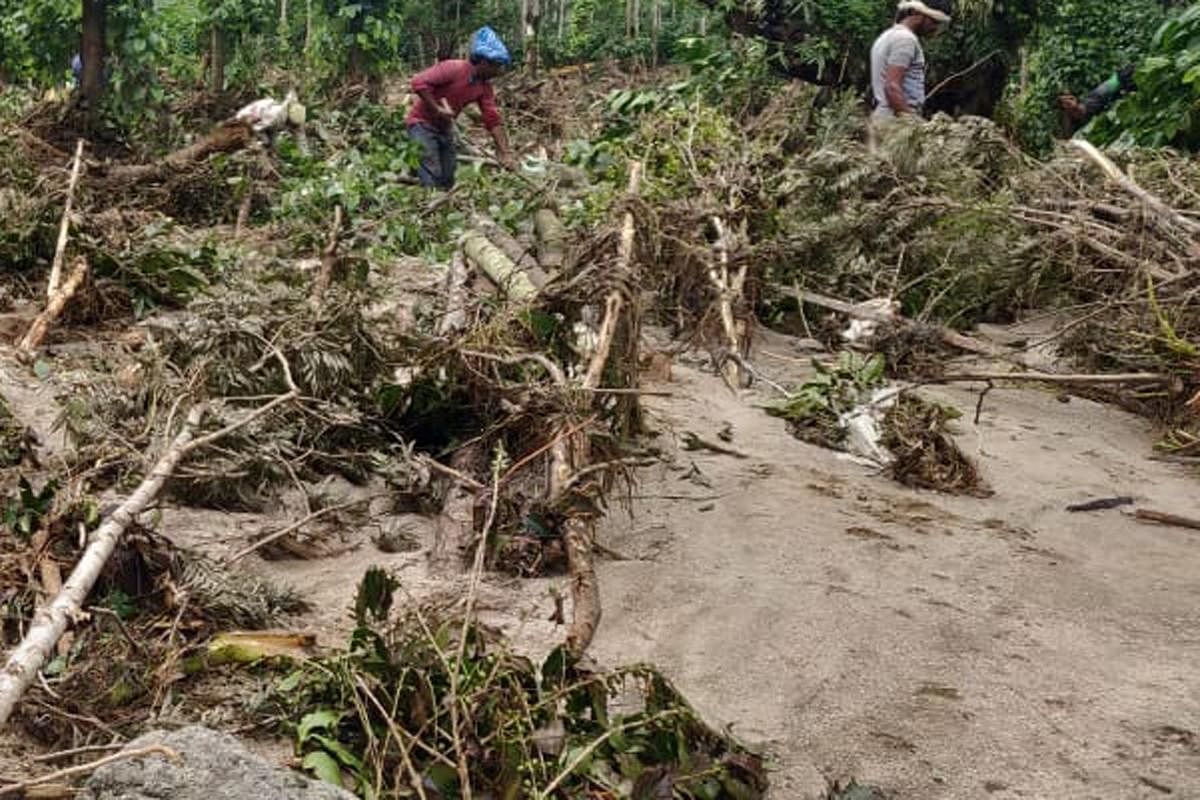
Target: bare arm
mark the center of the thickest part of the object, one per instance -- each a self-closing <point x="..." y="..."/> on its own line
<point x="495" y="126"/>
<point x="430" y="102"/>
<point x="893" y="90"/>
<point x="502" y="150"/>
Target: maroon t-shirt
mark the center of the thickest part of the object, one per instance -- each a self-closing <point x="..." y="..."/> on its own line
<point x="454" y="82"/>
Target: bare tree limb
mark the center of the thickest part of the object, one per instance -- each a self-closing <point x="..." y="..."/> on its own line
<point x="54" y="308"/>
<point x="51" y="621"/>
<point x="18" y="789"/>
<point x="64" y="228"/>
<point x="1157" y="207"/>
<point x="572" y="453"/>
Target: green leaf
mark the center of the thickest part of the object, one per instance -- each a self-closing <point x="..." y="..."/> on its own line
<point x="340" y="751"/>
<point x="374" y="598"/>
<point x="323" y="766"/>
<point x="444" y="778"/>
<point x="41" y="369"/>
<point x="322" y="720"/>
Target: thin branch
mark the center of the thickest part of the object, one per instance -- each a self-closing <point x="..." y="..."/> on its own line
<point x="18" y="789"/>
<point x="279" y="534"/>
<point x="78" y="751"/>
<point x="64" y="227"/>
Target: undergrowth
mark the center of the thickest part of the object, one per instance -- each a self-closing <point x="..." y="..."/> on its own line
<point x="425" y="704"/>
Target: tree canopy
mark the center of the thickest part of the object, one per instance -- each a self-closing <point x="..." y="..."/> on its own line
<point x="1003" y="58"/>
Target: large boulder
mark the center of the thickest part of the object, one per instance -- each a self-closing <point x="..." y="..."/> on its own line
<point x="212" y="766"/>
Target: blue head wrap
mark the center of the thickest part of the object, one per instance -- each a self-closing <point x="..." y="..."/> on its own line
<point x="487" y="46"/>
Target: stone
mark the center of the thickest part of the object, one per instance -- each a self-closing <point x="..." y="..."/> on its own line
<point x="212" y="766"/>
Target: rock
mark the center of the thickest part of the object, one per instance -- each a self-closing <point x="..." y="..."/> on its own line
<point x="399" y="536"/>
<point x="213" y="766"/>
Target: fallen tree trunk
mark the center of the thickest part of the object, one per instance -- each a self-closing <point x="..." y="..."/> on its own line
<point x="228" y="137"/>
<point x="64" y="228"/>
<point x="498" y="267"/>
<point x="50" y="622"/>
<point x="58" y="302"/>
<point x="552" y="240"/>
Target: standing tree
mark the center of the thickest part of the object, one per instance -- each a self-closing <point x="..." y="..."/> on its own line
<point x="531" y="19"/>
<point x="93" y="50"/>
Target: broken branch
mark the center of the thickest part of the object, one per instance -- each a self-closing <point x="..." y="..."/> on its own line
<point x="18" y="789"/>
<point x="948" y="335"/>
<point x="329" y="260"/>
<point x="58" y="302"/>
<point x="1045" y="377"/>
<point x="279" y="534"/>
<point x="1157" y="207"/>
<point x="64" y="227"/>
<point x="50" y="622"/>
<point x="1163" y="518"/>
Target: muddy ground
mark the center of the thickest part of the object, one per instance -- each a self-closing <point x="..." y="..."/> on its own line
<point x="938" y="647"/>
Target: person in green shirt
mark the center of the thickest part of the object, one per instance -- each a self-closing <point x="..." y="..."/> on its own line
<point x="1100" y="99"/>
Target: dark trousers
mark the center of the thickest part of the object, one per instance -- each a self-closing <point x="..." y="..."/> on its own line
<point x="439" y="162"/>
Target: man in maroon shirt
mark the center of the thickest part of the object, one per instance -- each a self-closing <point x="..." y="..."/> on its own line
<point x="442" y="92"/>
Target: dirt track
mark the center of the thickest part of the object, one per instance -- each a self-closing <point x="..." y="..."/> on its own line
<point x="938" y="647"/>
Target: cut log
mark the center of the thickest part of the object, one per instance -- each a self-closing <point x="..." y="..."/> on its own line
<point x="551" y="238"/>
<point x="498" y="267"/>
<point x="64" y="228"/>
<point x="41" y="326"/>
<point x="520" y="255"/>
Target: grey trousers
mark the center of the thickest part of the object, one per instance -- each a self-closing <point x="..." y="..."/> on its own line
<point x="439" y="163"/>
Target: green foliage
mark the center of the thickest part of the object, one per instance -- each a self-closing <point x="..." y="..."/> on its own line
<point x="1165" y="108"/>
<point x="33" y="46"/>
<point x="815" y="409"/>
<point x="25" y="513"/>
<point x="157" y="269"/>
<point x="412" y="699"/>
<point x="1077" y="44"/>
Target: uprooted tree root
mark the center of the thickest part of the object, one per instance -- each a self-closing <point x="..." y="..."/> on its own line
<point x="925" y="455"/>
